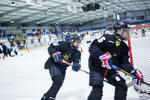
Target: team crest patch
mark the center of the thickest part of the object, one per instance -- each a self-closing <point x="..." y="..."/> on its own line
<point x="66" y="57"/>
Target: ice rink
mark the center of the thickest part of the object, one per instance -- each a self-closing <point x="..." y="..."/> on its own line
<point x="24" y="78"/>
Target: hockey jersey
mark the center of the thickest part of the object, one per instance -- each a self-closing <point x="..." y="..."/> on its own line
<point x="107" y="43"/>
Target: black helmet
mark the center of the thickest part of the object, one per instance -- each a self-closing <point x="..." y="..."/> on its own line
<point x="75" y="37"/>
<point x="120" y="25"/>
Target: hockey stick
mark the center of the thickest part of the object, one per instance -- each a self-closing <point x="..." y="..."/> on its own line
<point x="116" y="68"/>
<point x="82" y="70"/>
<point x="72" y="65"/>
<point x="128" y="85"/>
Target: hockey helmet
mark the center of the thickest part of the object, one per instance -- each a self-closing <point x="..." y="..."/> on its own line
<point x="120" y="25"/>
<point x="75" y="37"/>
<point x="123" y="26"/>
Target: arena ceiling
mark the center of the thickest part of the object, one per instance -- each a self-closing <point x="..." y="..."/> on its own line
<point x="56" y="11"/>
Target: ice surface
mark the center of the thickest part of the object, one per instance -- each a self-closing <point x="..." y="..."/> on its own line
<point x="24" y="78"/>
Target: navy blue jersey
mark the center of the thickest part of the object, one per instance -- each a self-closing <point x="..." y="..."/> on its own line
<point x="68" y="53"/>
<point x="107" y="43"/>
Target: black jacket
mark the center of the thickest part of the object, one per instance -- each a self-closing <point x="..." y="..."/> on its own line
<point x="68" y="53"/>
<point x="104" y="44"/>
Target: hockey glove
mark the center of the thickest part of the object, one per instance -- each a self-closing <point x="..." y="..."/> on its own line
<point x="57" y="57"/>
<point x="106" y="60"/>
<point x="139" y="77"/>
<point x="76" y="67"/>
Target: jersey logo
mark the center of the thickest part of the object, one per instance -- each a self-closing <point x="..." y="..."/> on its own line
<point x="100" y="40"/>
<point x="66" y="57"/>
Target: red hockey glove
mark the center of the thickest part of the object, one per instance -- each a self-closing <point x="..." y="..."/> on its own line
<point x="106" y="60"/>
<point x="139" y="76"/>
<point x="57" y="57"/>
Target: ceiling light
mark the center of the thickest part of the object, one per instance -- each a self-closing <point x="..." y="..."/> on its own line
<point x="49" y="9"/>
<point x="13" y="3"/>
<point x="11" y="21"/>
<point x="38" y="22"/>
<point x="118" y="17"/>
<point x="107" y="2"/>
<point x="123" y="10"/>
<point x="117" y="7"/>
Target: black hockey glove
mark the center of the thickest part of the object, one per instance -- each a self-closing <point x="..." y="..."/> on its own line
<point x="76" y="67"/>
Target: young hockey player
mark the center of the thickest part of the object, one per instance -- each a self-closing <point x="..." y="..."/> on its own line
<point x="63" y="51"/>
<point x="106" y="51"/>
